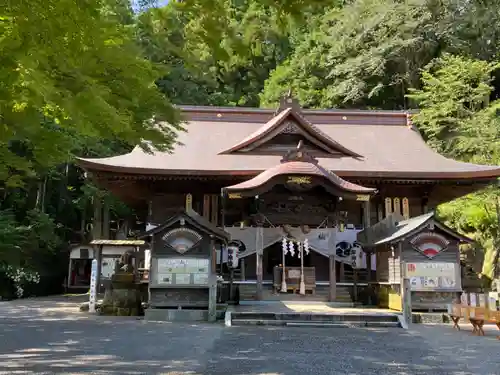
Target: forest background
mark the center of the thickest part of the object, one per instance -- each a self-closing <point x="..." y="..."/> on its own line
<point x="85" y="78"/>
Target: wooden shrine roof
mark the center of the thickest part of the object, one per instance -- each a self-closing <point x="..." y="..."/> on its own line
<point x="374" y="144"/>
<point x="299" y="162"/>
<point x="404" y="228"/>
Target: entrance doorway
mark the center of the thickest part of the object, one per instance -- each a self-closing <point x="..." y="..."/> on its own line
<point x="273" y="256"/>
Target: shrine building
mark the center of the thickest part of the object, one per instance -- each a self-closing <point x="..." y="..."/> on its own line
<point x="271" y="177"/>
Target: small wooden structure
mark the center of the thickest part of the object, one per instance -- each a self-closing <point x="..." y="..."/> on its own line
<point x="293" y="278"/>
<point x="120" y="247"/>
<point x="423" y="249"/>
<point x="182" y="278"/>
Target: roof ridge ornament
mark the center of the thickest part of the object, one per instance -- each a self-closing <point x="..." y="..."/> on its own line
<point x="289" y="101"/>
<point x="299" y="154"/>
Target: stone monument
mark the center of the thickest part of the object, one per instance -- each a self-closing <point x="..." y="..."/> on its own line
<point x="122" y="297"/>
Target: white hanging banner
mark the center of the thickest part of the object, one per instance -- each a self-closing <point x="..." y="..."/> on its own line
<point x="93" y="287"/>
<point x="147" y="259"/>
<point x="325" y="241"/>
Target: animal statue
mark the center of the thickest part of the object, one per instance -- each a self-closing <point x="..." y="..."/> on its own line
<point x="125" y="262"/>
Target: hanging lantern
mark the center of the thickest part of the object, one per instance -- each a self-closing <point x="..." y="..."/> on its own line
<point x="306" y="246"/>
<point x="284" y="246"/>
<point x="290" y="248"/>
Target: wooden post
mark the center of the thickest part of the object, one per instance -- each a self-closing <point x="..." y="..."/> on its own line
<point x="258" y="255"/>
<point x="149" y="219"/>
<point x="242" y="269"/>
<point x="212" y="292"/>
<point x="366" y="225"/>
<point x="105" y="220"/>
<point x="206" y="206"/>
<point x="69" y="272"/>
<point x="342" y="272"/>
<point x="214" y="214"/>
<point x="97" y="224"/>
<point x="355" y="284"/>
<point x="405" y="289"/>
<point x="98" y="257"/>
<point x="333" y="277"/>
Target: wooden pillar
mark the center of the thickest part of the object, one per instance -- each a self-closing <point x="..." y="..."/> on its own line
<point x="98" y="257"/>
<point x="206" y="206"/>
<point x="69" y="272"/>
<point x="149" y="219"/>
<point x="97" y="223"/>
<point x="259" y="255"/>
<point x="214" y="214"/>
<point x="342" y="272"/>
<point x="242" y="269"/>
<point x="105" y="220"/>
<point x="366" y="225"/>
<point x="405" y="289"/>
<point x="212" y="292"/>
<point x="333" y="278"/>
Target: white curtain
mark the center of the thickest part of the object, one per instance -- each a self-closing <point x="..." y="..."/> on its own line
<point x="323" y="241"/>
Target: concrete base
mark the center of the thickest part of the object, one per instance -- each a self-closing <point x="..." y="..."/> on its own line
<point x="169" y="315"/>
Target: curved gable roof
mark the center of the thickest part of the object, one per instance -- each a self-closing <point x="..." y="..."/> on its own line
<point x="390" y="148"/>
<point x="276" y="124"/>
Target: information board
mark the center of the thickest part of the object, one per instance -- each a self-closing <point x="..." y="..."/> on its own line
<point x="432" y="276"/>
<point x="182" y="271"/>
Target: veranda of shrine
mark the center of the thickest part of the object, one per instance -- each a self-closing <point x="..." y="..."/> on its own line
<point x="293" y="173"/>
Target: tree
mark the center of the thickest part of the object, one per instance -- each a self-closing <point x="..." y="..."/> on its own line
<point x="226" y="66"/>
<point x="365" y="54"/>
<point x="70" y="68"/>
<point x="459" y="120"/>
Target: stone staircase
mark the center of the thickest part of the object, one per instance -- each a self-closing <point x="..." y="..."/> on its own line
<point x="325" y="320"/>
<point x="248" y="293"/>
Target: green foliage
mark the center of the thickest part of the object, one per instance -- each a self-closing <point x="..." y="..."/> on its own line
<point x="68" y="69"/>
<point x="88" y="78"/>
<point x="454" y="96"/>
<point x="364" y="54"/>
<point x="223" y="66"/>
<point x="460" y="121"/>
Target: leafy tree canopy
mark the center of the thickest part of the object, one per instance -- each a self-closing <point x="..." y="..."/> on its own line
<point x="69" y="68"/>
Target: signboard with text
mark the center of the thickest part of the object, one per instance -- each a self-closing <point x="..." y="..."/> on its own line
<point x="432" y="276"/>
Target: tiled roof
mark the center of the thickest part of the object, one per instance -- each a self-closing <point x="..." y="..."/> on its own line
<point x="278" y="120"/>
<point x="389" y="147"/>
<point x="300" y="168"/>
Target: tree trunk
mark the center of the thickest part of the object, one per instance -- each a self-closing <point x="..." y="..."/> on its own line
<point x="40" y="195"/>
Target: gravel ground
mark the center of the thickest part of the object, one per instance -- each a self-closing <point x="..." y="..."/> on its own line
<point x="44" y="336"/>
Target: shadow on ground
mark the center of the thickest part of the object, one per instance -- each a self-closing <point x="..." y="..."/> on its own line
<point x="37" y="341"/>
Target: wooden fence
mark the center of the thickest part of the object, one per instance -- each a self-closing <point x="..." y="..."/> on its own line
<point x="478" y="309"/>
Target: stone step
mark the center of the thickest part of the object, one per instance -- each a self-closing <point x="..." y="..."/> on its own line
<point x="328" y="317"/>
<point x="312" y="319"/>
<point x="285" y="323"/>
